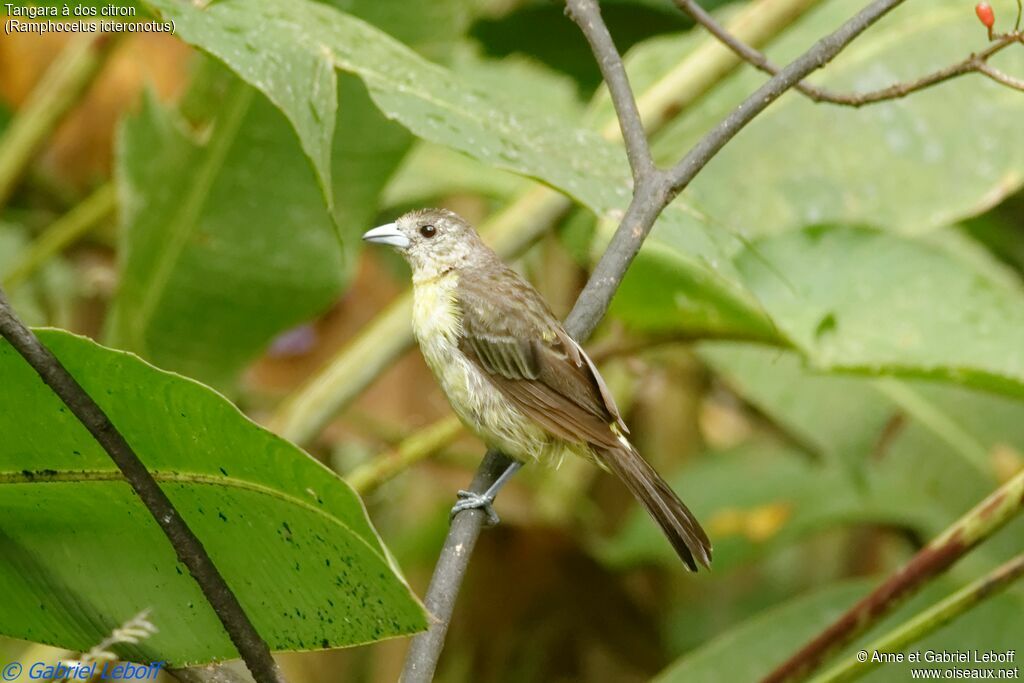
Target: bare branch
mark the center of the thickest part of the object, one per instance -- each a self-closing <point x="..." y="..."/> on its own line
<point x="651" y="194"/>
<point x="1000" y="77"/>
<point x="425" y="650"/>
<point x="587" y="16"/>
<point x="930" y="620"/>
<point x="986" y="518"/>
<point x="187" y="546"/>
<point x="973" y="63"/>
<point x="820" y="54"/>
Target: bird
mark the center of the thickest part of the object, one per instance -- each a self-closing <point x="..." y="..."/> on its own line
<point x="513" y="375"/>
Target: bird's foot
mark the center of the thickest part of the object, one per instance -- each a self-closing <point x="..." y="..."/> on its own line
<point x="468" y="500"/>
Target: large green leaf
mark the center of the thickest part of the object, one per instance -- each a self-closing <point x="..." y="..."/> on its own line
<point x="227" y="244"/>
<point x="439" y="106"/>
<point x="759" y="498"/>
<point x="914" y="454"/>
<point x="767" y="639"/>
<point x="431" y="101"/>
<point x="911" y="165"/>
<point x="225" y="238"/>
<point x="937" y="449"/>
<point x="81" y="554"/>
<point x="432" y="171"/>
<point x="875" y="303"/>
<point x="764" y="640"/>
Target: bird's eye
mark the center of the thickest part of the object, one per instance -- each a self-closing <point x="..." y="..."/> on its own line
<point x="428" y="231"/>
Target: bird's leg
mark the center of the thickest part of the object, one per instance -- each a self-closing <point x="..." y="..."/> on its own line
<point x="468" y="500"/>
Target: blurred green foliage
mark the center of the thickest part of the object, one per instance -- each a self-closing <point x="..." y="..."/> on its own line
<point x="820" y="345"/>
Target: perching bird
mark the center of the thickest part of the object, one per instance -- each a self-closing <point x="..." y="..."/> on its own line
<point x="513" y="375"/>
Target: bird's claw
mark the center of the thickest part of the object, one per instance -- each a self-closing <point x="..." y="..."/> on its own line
<point x="469" y="500"/>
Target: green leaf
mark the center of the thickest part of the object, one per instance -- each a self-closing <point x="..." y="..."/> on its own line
<point x="765" y="640"/>
<point x="225" y="239"/>
<point x="82" y="554"/>
<point x="841" y="418"/>
<point x="945" y="446"/>
<point x="910" y="165"/>
<point x="437" y="105"/>
<point x="909" y="453"/>
<point x="759" y="498"/>
<point x="956" y="150"/>
<point x="874" y="303"/>
<point x="295" y="69"/>
<point x="431" y="171"/>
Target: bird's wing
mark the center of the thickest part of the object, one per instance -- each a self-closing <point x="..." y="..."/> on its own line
<point x="509" y="332"/>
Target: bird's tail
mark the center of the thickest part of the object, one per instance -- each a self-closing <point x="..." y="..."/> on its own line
<point x="675" y="519"/>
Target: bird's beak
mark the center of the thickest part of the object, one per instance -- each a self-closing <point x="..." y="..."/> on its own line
<point x="388" y="234"/>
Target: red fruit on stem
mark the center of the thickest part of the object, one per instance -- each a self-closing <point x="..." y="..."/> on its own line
<point x="985" y="14"/>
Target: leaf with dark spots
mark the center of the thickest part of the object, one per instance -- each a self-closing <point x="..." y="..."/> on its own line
<point x="59" y="489"/>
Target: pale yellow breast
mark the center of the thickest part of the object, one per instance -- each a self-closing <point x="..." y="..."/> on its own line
<point x="435" y="318"/>
<point x="478" y="403"/>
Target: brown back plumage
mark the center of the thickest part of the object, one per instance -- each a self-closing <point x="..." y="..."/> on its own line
<point x="509" y="332"/>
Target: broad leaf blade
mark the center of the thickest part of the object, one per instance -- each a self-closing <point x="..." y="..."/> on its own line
<point x="934" y="449"/>
<point x="864" y="301"/>
<point x="768" y="638"/>
<point x="437" y="105"/>
<point x="910" y="166"/>
<point x="83" y="555"/>
<point x="225" y="238"/>
<point x="759" y="498"/>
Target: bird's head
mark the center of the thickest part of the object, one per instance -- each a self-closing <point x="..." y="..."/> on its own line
<point x="433" y="241"/>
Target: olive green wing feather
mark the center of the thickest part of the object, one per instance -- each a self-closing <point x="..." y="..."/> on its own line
<point x="509" y="332"/>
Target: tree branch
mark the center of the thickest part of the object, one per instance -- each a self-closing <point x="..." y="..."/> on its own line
<point x="820" y="54"/>
<point x="187" y="546"/>
<point x="1000" y="77"/>
<point x="587" y="15"/>
<point x="651" y="194"/>
<point x="973" y="63"/>
<point x="978" y="524"/>
<point x="425" y="650"/>
<point x="930" y="620"/>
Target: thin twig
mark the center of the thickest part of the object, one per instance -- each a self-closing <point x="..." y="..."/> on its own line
<point x="425" y="649"/>
<point x="1000" y="77"/>
<point x="587" y="15"/>
<point x="973" y="63"/>
<point x="978" y="524"/>
<point x="651" y="194"/>
<point x="928" y="621"/>
<point x="820" y="54"/>
<point x="416" y="447"/>
<point x="187" y="546"/>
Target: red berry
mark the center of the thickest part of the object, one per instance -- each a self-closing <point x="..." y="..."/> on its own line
<point x="985" y="14"/>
